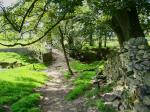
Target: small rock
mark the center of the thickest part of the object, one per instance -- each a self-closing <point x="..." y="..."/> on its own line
<point x="130" y="67"/>
<point x="92" y="109"/>
<point x="121" y="108"/>
<point x="146" y="100"/>
<point x="142" y="47"/>
<point x="138" y="67"/>
<point x="147" y="63"/>
<point x="141" y="108"/>
<point x="139" y="57"/>
<point x="118" y="90"/>
<point x="108" y="97"/>
<point x="147" y="68"/>
<point x="131" y="41"/>
<point x="123" y="50"/>
<point x="146" y="55"/>
<point x="108" y="103"/>
<point x="116" y="104"/>
<point x="146" y="79"/>
<point x="140" y="40"/>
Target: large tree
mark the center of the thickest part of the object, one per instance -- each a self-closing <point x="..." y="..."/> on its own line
<point x="36" y="17"/>
<point x="124" y="16"/>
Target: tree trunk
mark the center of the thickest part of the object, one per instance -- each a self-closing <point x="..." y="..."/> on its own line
<point x="64" y="50"/>
<point x="91" y="39"/>
<point x="99" y="42"/>
<point x="125" y="24"/>
<point x="70" y="42"/>
<point x="105" y="41"/>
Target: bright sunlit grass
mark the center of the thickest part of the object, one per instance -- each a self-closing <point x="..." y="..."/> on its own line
<point x="11" y="57"/>
<point x="17" y="85"/>
<point x="83" y="82"/>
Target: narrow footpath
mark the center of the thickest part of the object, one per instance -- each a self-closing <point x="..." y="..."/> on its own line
<point x="55" y="90"/>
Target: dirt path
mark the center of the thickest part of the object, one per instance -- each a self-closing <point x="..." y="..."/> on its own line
<point x="55" y="90"/>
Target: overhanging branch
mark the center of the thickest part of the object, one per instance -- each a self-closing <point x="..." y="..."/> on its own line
<point x="8" y="19"/>
<point x="15" y="25"/>
<point x="41" y="16"/>
<point x="26" y="14"/>
<point x="25" y="44"/>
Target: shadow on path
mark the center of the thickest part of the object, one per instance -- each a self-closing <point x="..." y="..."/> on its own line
<point x="55" y="90"/>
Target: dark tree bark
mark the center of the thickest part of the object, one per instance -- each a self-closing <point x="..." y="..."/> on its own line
<point x="64" y="50"/>
<point x="105" y="40"/>
<point x="50" y="42"/>
<point x="91" y="39"/>
<point x="126" y="25"/>
<point x="70" y="42"/>
<point x="99" y="42"/>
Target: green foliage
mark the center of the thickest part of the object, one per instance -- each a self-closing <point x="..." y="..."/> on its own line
<point x="26" y="104"/>
<point x="34" y="66"/>
<point x="78" y="66"/>
<point x="67" y="75"/>
<point x="11" y="57"/>
<point x="86" y="75"/>
<point x="77" y="91"/>
<point x="106" y="89"/>
<point x="34" y="110"/>
<point x="95" y="91"/>
<point x="92" y="92"/>
<point x="17" y="85"/>
<point x="83" y="82"/>
<point x="83" y="85"/>
<point x="102" y="107"/>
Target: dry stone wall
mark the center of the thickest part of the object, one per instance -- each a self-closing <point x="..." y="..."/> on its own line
<point x="130" y="69"/>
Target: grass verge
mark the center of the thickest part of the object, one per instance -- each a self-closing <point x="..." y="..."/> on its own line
<point x="17" y="85"/>
<point x="83" y="82"/>
<point x="83" y="85"/>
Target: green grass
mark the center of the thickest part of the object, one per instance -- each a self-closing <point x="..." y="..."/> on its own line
<point x="95" y="91"/>
<point x="27" y="104"/>
<point x="79" y="67"/>
<point x="17" y="85"/>
<point x="67" y="75"/>
<point x="83" y="82"/>
<point x="102" y="107"/>
<point x="83" y="85"/>
<point x="78" y="91"/>
<point x="11" y="57"/>
<point x="113" y="43"/>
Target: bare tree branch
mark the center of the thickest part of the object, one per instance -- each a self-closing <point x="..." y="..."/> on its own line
<point x="41" y="16"/>
<point x="14" y="25"/>
<point x="25" y="44"/>
<point x="26" y="14"/>
<point x="8" y="19"/>
<point x="64" y="49"/>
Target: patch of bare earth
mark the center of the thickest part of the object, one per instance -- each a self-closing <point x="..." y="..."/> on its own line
<point x="55" y="90"/>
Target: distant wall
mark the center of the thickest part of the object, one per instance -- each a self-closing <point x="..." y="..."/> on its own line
<point x="17" y="50"/>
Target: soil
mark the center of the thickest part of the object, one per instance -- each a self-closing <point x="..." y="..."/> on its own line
<point x="55" y="90"/>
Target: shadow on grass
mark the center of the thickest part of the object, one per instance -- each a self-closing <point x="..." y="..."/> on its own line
<point x="16" y="57"/>
<point x="29" y="80"/>
<point x="18" y="95"/>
